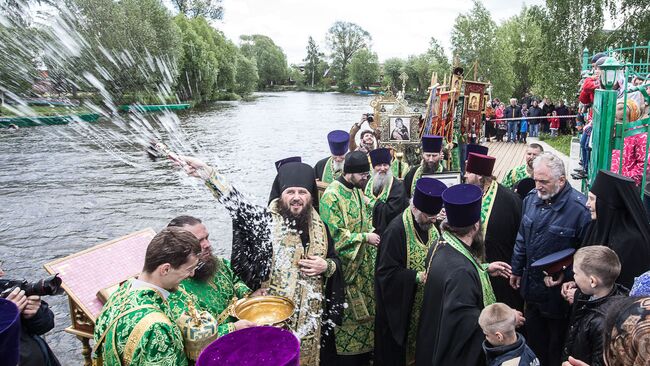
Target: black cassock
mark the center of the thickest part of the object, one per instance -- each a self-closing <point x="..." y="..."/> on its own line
<point x="320" y="167"/>
<point x="503" y="225"/>
<point x="384" y="212"/>
<point x="448" y="332"/>
<point x="408" y="178"/>
<point x="395" y="288"/>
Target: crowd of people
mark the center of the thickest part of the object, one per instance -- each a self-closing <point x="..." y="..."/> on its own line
<point x="385" y="271"/>
<point x="517" y="121"/>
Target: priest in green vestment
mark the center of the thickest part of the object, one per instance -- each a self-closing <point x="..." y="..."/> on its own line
<point x="214" y="284"/>
<point x="401" y="272"/>
<point x="136" y="325"/>
<point x="288" y="248"/>
<point x="331" y="167"/>
<point x="432" y="162"/>
<point x="514" y="175"/>
<point x="386" y="193"/>
<point x="500" y="219"/>
<point x="457" y="285"/>
<point x="344" y="210"/>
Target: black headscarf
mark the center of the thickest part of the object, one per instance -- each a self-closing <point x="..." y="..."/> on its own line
<point x="295" y="175"/>
<point x="621" y="224"/>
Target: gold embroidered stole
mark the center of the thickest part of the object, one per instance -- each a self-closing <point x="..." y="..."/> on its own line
<point x="328" y="172"/>
<point x="489" y="197"/>
<point x="287" y="280"/>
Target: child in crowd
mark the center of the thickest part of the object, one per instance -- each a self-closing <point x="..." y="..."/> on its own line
<point x="503" y="345"/>
<point x="555" y="123"/>
<point x="523" y="125"/>
<point x="596" y="269"/>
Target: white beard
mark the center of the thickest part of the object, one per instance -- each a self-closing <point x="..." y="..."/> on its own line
<point x="545" y="197"/>
<point x="337" y="166"/>
<point x="380" y="180"/>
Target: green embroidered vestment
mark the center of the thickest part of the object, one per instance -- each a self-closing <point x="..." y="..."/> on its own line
<point x="514" y="175"/>
<point x="344" y="212"/>
<point x="135" y="328"/>
<point x="416" y="254"/>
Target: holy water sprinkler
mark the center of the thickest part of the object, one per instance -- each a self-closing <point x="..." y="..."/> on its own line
<point x="216" y="180"/>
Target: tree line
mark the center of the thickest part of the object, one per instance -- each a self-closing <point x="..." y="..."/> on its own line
<point x="135" y="50"/>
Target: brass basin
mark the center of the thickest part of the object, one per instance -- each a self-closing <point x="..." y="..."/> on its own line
<point x="264" y="310"/>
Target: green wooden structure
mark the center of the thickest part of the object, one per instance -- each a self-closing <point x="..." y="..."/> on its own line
<point x="152" y="107"/>
<point x="607" y="133"/>
<point x="46" y="120"/>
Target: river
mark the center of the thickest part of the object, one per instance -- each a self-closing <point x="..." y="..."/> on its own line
<point x="61" y="193"/>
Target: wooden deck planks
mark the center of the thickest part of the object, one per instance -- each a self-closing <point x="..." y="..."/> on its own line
<point x="508" y="156"/>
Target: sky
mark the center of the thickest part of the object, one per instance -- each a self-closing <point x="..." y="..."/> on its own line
<point x="398" y="28"/>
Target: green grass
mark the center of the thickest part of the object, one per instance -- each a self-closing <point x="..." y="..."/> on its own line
<point x="560" y="143"/>
<point x="46" y="111"/>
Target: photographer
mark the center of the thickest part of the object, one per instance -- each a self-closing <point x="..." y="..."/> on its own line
<point x="368" y="141"/>
<point x="36" y="319"/>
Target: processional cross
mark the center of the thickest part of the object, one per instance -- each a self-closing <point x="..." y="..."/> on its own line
<point x="403" y="76"/>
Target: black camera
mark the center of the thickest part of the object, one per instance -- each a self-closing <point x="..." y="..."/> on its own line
<point x="370" y="117"/>
<point x="44" y="287"/>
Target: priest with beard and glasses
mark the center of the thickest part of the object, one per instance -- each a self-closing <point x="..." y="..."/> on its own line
<point x="288" y="247"/>
<point x="457" y="285"/>
<point x="331" y="167"/>
<point x="500" y="218"/>
<point x="345" y="212"/>
<point x="214" y="283"/>
<point x="400" y="274"/>
<point x="432" y="162"/>
<point x="385" y="194"/>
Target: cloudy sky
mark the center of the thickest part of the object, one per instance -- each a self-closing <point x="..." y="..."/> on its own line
<point x="398" y="28"/>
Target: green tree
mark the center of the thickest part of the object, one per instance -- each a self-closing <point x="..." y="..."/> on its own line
<point x="133" y="44"/>
<point x="313" y="66"/>
<point x="246" y="78"/>
<point x="474" y="41"/>
<point x="419" y="68"/>
<point x="364" y="68"/>
<point x="392" y="70"/>
<point x="344" y="40"/>
<point x="519" y="37"/>
<point x="297" y="76"/>
<point x="199" y="65"/>
<point x="210" y="9"/>
<point x="270" y="59"/>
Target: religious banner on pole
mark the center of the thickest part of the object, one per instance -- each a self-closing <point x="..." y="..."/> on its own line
<point x="474" y="108"/>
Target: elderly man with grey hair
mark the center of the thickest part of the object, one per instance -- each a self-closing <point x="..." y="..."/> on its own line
<point x="512" y="111"/>
<point x="554" y="218"/>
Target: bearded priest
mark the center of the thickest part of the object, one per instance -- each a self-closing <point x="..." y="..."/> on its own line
<point x="345" y="212"/>
<point x="384" y="193"/>
<point x="288" y="247"/>
<point x="401" y="272"/>
<point x="500" y="219"/>
<point x="432" y="162"/>
<point x="331" y="167"/>
<point x="457" y="285"/>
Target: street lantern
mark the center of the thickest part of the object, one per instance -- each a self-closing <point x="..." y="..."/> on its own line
<point x="609" y="71"/>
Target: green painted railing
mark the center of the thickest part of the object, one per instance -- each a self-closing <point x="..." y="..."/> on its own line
<point x="609" y="134"/>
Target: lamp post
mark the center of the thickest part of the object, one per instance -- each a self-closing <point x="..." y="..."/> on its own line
<point x="609" y="69"/>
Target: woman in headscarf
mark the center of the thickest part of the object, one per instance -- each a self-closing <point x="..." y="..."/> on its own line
<point x="619" y="221"/>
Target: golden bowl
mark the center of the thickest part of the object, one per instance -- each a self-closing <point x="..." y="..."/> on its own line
<point x="264" y="310"/>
